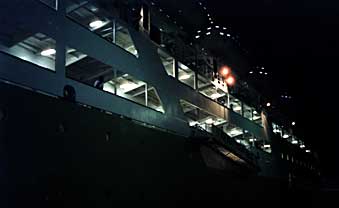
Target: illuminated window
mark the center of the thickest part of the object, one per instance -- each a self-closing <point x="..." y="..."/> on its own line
<point x="93" y="72"/>
<point x="38" y="49"/>
<point x="95" y="19"/>
<point x="235" y="104"/>
<point x="186" y="75"/>
<point x="200" y="117"/>
<point x="167" y="61"/>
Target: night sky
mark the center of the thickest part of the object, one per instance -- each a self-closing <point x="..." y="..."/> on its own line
<point x="298" y="43"/>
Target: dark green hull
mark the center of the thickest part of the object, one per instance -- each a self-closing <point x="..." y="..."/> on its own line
<point x="59" y="154"/>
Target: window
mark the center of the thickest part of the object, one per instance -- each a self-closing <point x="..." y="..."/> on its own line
<point x="257" y="117"/>
<point x="124" y="40"/>
<point x="200" y="117"/>
<point x="96" y="20"/>
<point x="37" y="48"/>
<point x="93" y="72"/>
<point x="186" y="75"/>
<point x="248" y="112"/>
<point x="86" y="69"/>
<point x="167" y="61"/>
<point x="235" y="104"/>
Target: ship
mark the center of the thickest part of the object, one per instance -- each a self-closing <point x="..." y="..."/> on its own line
<point x="115" y="101"/>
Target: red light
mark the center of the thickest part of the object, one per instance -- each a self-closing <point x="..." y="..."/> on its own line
<point x="225" y="71"/>
<point x="230" y="80"/>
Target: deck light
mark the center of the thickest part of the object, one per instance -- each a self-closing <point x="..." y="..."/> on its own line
<point x="230" y="80"/>
<point x="96" y="24"/>
<point x="48" y="52"/>
<point x="268" y="104"/>
<point x="225" y="70"/>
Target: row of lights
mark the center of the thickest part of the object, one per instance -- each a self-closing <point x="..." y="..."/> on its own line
<point x="260" y="70"/>
<point x="220" y="30"/>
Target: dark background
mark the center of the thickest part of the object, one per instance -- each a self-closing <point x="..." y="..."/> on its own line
<point x="297" y="42"/>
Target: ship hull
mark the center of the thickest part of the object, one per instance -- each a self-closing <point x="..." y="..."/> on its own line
<point x="55" y="153"/>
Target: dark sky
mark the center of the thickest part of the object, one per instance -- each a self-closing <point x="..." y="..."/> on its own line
<point x="298" y="43"/>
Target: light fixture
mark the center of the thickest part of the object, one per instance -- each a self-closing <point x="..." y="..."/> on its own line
<point x="285" y="136"/>
<point x="96" y="24"/>
<point x="294" y="142"/>
<point x="48" y="52"/>
<point x="262" y="68"/>
<point x="260" y="72"/>
<point x="208" y="33"/>
<point x="267" y="146"/>
<point x="221" y="33"/>
<point x="184" y="77"/>
<point x="266" y="73"/>
<point x="199" y="31"/>
<point x="302" y="146"/>
<point x="209" y="121"/>
<point x="293" y="123"/>
<point x="209" y="28"/>
<point x="251" y="140"/>
<point x="308" y="151"/>
<point x="268" y="104"/>
<point x="196" y="37"/>
<point x="216" y="26"/>
<point x="224" y="28"/>
<point x="230" y="80"/>
<point x="228" y="35"/>
<point x="225" y="70"/>
<point x="251" y="72"/>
